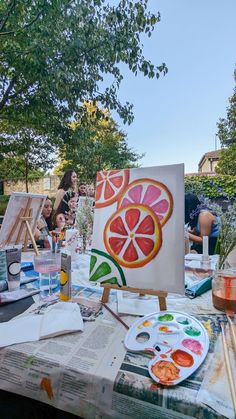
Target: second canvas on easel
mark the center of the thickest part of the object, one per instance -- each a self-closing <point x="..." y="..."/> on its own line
<point x="138" y="236"/>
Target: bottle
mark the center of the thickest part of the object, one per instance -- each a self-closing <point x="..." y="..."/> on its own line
<point x="65" y="277"/>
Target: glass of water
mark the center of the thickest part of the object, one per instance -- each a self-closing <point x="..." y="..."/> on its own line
<point x="48" y="265"/>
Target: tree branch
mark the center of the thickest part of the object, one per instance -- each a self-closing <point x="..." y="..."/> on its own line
<point x="7" y="92"/>
<point x="27" y="25"/>
<point x="18" y="92"/>
<point x="12" y="6"/>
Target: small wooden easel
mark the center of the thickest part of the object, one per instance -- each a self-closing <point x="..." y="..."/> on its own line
<point x="23" y="219"/>
<point x="160" y="294"/>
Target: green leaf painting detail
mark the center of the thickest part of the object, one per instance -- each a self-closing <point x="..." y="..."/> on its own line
<point x="104" y="269"/>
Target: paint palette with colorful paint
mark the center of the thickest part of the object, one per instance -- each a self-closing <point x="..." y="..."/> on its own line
<point x="179" y="344"/>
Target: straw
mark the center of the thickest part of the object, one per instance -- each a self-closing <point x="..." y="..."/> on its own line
<point x="232" y="328"/>
<point x="116" y="316"/>
<point x="228" y="367"/>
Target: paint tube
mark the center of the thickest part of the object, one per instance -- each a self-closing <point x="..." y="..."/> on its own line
<point x="65" y="277"/>
<point x="199" y="288"/>
<point x="3" y="270"/>
<point x="13" y="259"/>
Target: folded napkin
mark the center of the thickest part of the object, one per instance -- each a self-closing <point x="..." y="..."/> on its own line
<point x="58" y="319"/>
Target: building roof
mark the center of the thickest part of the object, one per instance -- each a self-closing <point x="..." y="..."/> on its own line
<point x="210" y="155"/>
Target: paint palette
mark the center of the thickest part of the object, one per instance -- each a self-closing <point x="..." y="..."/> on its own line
<point x="179" y="344"/>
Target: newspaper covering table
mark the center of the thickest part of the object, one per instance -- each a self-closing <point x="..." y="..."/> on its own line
<point x="92" y="375"/>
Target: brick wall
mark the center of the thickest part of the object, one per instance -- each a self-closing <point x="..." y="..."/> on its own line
<point x="46" y="185"/>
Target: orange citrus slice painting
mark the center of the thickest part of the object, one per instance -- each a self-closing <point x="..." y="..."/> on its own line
<point x="133" y="236"/>
<point x="109" y="185"/>
<point x="150" y="193"/>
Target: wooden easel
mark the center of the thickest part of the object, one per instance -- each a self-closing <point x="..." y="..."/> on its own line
<point x="24" y="219"/>
<point x="160" y="294"/>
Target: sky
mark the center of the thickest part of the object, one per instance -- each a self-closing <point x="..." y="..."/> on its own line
<point x="176" y="116"/>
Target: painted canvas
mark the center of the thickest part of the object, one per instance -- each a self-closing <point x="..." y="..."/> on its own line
<point x="20" y="204"/>
<point x="138" y="236"/>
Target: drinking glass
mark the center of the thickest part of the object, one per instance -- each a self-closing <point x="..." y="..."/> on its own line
<point x="48" y="265"/>
<point x="224" y="290"/>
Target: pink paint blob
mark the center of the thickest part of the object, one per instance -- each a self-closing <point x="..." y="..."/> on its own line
<point x="193" y="345"/>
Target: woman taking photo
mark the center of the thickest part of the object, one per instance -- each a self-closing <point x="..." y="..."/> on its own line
<point x="68" y="184"/>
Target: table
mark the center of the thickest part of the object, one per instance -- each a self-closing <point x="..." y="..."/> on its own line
<point x="91" y="374"/>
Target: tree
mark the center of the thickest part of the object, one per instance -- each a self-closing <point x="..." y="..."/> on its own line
<point x="96" y="144"/>
<point x="227" y="136"/>
<point x="227" y="126"/>
<point x="55" y="54"/>
<point x="25" y="155"/>
<point x="227" y="161"/>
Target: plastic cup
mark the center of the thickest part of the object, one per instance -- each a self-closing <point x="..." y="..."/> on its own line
<point x="48" y="265"/>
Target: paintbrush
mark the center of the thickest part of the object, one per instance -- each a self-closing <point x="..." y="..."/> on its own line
<point x="233" y="334"/>
<point x="116" y="316"/>
<point x="228" y="367"/>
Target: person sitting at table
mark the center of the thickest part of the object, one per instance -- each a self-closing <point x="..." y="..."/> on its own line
<point x="59" y="221"/>
<point x="202" y="222"/>
<point x="44" y="225"/>
<point x="68" y="207"/>
<point x="68" y="184"/>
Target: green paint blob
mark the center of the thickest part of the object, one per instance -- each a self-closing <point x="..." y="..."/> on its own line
<point x="165" y="318"/>
<point x="183" y="320"/>
<point x="192" y="331"/>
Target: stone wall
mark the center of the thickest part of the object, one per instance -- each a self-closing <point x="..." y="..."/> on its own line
<point x="47" y="185"/>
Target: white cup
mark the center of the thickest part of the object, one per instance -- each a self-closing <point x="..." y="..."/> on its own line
<point x="72" y="242"/>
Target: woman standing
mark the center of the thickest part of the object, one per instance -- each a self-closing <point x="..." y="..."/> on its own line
<point x="68" y="183"/>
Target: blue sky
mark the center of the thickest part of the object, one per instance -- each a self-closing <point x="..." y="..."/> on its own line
<point x="176" y="116"/>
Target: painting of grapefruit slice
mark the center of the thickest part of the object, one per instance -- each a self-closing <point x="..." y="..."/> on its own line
<point x="104" y="269"/>
<point x="109" y="185"/>
<point x="133" y="236"/>
<point x="150" y="193"/>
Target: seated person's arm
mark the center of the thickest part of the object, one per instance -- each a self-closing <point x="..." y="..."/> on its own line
<point x="205" y="221"/>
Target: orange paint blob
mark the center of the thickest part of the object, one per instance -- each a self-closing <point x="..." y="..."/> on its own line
<point x="146" y="323"/>
<point x="164" y="329"/>
<point x="182" y="358"/>
<point x="166" y="371"/>
<point x="46" y="385"/>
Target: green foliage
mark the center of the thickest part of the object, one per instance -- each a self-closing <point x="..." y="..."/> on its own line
<point x="24" y="155"/>
<point x="57" y="54"/>
<point x="227" y="162"/>
<point x="227" y="126"/>
<point x="211" y="186"/>
<point x="96" y="144"/>
<point x="3" y="203"/>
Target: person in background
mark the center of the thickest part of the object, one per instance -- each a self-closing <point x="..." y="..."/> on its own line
<point x="202" y="222"/>
<point x="82" y="189"/>
<point x="91" y="191"/>
<point x="68" y="208"/>
<point x="59" y="221"/>
<point x="44" y="225"/>
<point x="68" y="184"/>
